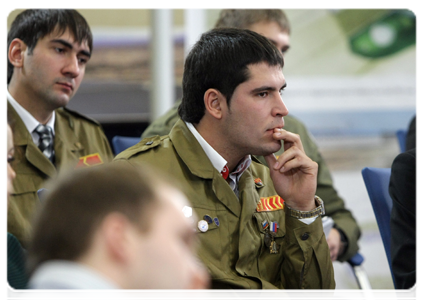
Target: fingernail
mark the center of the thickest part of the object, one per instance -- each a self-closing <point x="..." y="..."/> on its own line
<point x="276" y="166"/>
<point x="282" y="169"/>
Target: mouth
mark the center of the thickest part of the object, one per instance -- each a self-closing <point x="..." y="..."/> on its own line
<point x="273" y="129"/>
<point x="279" y="125"/>
<point x="66" y="85"/>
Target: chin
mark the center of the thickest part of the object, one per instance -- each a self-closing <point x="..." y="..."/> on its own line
<point x="269" y="149"/>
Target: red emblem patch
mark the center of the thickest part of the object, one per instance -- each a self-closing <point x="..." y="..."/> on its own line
<point x="89" y="161"/>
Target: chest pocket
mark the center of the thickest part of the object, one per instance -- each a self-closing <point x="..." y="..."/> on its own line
<point x="211" y="251"/>
<point x="269" y="264"/>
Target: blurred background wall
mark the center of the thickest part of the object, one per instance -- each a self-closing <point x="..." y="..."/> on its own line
<point x="348" y="71"/>
<point x="351" y="78"/>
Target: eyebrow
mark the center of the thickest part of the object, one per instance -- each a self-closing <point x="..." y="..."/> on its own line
<point x="69" y="45"/>
<point x="266" y="88"/>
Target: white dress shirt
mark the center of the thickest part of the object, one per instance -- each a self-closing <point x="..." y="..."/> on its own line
<point x="62" y="274"/>
<point x="219" y="162"/>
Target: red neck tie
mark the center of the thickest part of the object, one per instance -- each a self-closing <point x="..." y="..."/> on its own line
<point x="225" y="172"/>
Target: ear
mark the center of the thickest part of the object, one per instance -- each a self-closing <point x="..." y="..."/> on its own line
<point x="116" y="235"/>
<point x="16" y="52"/>
<point x="214" y="102"/>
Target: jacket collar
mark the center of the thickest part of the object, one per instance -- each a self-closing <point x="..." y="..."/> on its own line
<point x="191" y="152"/>
<point x="194" y="157"/>
<point x="22" y="138"/>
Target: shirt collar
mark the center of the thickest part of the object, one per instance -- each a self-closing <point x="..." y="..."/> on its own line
<point x="216" y="159"/>
<point x="30" y="122"/>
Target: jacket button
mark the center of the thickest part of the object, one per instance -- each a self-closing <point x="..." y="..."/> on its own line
<point x="305" y="236"/>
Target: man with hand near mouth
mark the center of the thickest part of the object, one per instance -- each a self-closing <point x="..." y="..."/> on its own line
<point x="259" y="227"/>
<point x="47" y="54"/>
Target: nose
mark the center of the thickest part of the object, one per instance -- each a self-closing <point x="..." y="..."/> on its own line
<point x="279" y="109"/>
<point x="72" y="67"/>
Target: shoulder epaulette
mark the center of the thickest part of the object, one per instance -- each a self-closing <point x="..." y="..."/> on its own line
<point x="67" y="111"/>
<point x="144" y="145"/>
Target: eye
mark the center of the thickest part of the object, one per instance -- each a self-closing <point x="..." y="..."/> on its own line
<point x="263" y="94"/>
<point x="82" y="60"/>
<point x="10" y="159"/>
<point x="59" y="50"/>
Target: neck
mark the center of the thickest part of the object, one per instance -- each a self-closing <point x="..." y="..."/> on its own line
<point x="35" y="108"/>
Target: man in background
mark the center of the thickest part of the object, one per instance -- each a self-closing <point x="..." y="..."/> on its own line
<point x="47" y="54"/>
<point x="274" y="25"/>
<point x="114" y="226"/>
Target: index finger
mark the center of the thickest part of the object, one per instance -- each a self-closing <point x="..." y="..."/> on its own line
<point x="289" y="139"/>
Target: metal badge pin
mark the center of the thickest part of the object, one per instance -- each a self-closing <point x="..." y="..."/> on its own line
<point x="208" y="219"/>
<point x="265" y="224"/>
<point x="216" y="221"/>
<point x="274" y="247"/>
<point x="267" y="239"/>
<point x="203" y="226"/>
<point x="273" y="227"/>
<point x="258" y="182"/>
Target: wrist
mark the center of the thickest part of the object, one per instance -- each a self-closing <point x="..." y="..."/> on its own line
<point x="318" y="210"/>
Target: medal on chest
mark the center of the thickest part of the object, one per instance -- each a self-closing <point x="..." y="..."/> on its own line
<point x="270" y="230"/>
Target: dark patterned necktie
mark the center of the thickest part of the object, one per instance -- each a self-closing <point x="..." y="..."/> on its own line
<point x="46" y="141"/>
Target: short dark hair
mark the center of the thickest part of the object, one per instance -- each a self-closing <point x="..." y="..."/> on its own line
<point x="78" y="202"/>
<point x="220" y="60"/>
<point x="34" y="24"/>
<point x="244" y="18"/>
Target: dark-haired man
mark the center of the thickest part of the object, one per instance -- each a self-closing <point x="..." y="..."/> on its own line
<point x="123" y="227"/>
<point x="273" y="24"/>
<point x="258" y="228"/>
<point x="47" y="54"/>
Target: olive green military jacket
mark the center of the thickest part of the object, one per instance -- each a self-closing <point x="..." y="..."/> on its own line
<point x="78" y="141"/>
<point x="234" y="251"/>
<point x="334" y="204"/>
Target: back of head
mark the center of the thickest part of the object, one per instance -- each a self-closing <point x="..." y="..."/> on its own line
<point x="244" y="18"/>
<point x="34" y="24"/>
<point x="220" y="60"/>
<point x="78" y="202"/>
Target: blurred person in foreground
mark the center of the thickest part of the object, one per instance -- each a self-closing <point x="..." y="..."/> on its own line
<point x="16" y="270"/>
<point x="402" y="188"/>
<point x="114" y="226"/>
<point x="259" y="227"/>
<point x="47" y="52"/>
<point x="273" y="24"/>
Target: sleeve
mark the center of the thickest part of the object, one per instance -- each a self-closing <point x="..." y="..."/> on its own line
<point x="162" y="125"/>
<point x="306" y="263"/>
<point x="402" y="188"/>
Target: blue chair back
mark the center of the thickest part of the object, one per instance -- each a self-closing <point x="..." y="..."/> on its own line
<point x="377" y="185"/>
<point x="402" y="139"/>
<point x="121" y="143"/>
